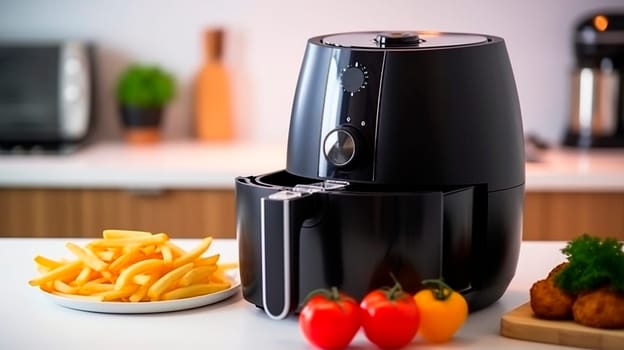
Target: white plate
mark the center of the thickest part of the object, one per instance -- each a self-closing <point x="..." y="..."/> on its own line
<point x="118" y="307"/>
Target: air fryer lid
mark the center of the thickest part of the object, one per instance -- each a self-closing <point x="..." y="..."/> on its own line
<point x="401" y="40"/>
<point x="406" y="114"/>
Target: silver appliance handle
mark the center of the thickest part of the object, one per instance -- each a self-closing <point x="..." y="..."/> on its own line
<point x="282" y="214"/>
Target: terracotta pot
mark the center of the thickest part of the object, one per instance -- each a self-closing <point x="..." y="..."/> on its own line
<point x="141" y="124"/>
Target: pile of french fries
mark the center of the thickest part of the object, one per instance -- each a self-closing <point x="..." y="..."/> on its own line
<point x="133" y="266"/>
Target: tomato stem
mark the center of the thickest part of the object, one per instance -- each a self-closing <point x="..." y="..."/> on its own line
<point x="440" y="290"/>
<point x="396" y="291"/>
<point x="332" y="294"/>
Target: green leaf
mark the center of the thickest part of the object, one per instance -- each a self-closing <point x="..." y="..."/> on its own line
<point x="592" y="263"/>
<point x="145" y="86"/>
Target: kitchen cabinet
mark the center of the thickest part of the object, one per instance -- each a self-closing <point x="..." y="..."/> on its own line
<point x="197" y="213"/>
<point x="85" y="212"/>
<point x="565" y="215"/>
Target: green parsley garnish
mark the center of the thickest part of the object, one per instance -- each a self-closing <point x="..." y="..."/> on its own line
<point x="592" y="263"/>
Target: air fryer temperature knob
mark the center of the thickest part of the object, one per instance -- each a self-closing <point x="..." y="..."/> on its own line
<point x="354" y="78"/>
<point x="339" y="147"/>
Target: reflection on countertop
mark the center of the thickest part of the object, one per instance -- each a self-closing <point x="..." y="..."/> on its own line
<point x="574" y="169"/>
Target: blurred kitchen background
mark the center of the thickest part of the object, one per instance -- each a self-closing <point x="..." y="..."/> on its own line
<point x="265" y="40"/>
<point x="185" y="187"/>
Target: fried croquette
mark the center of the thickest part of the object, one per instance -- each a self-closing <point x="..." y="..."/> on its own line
<point x="550" y="302"/>
<point x="588" y="288"/>
<point x="553" y="273"/>
<point x="602" y="308"/>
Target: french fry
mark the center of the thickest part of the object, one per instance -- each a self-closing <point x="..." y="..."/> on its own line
<point x="59" y="273"/>
<point x="167" y="254"/>
<point x="46" y="263"/>
<point x="122" y="242"/>
<point x="125" y="277"/>
<point x="195" y="290"/>
<point x="87" y="256"/>
<point x="207" y="261"/>
<point x="141" y="279"/>
<point x="133" y="255"/>
<point x="133" y="266"/>
<point x="117" y="234"/>
<point x="167" y="280"/>
<point x="194" y="253"/>
<point x="197" y="275"/>
<point x="141" y="293"/>
<point x="48" y="287"/>
<point x="94" y="287"/>
<point x="177" y="251"/>
<point x="64" y="287"/>
<point x="106" y="255"/>
<point x="117" y="294"/>
<point x="219" y="277"/>
<point x="83" y="276"/>
<point x="149" y="250"/>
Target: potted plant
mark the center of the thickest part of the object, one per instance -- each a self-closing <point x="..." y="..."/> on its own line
<point x="143" y="91"/>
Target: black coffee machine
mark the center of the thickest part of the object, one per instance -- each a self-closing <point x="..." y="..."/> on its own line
<point x="597" y="98"/>
<point x="405" y="157"/>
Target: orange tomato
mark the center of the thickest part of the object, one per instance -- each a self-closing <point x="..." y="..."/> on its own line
<point x="442" y="311"/>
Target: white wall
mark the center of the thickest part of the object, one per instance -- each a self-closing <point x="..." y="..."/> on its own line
<point x="266" y="41"/>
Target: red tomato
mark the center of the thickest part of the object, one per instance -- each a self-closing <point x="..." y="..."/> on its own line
<point x="390" y="317"/>
<point x="330" y="319"/>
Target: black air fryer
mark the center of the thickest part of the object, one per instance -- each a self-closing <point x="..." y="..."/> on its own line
<point x="405" y="158"/>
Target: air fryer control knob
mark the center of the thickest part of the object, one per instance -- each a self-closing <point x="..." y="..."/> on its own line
<point x="354" y="78"/>
<point x="339" y="147"/>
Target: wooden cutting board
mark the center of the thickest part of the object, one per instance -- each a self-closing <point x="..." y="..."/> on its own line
<point x="521" y="324"/>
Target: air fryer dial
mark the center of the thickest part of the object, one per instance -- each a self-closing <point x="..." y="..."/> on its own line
<point x="354" y="78"/>
<point x="340" y="147"/>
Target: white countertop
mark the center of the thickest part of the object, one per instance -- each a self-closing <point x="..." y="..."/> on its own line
<point x="165" y="165"/>
<point x="195" y="165"/>
<point x="31" y="321"/>
<point x="568" y="169"/>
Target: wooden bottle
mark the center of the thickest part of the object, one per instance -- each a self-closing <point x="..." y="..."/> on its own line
<point x="213" y="114"/>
